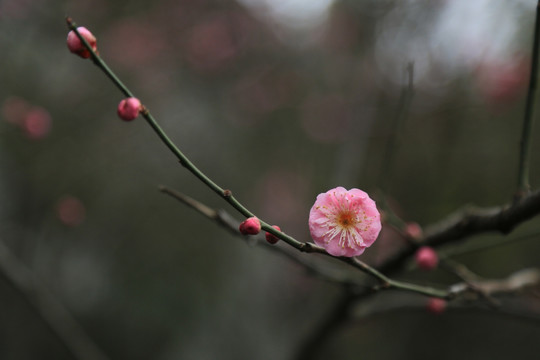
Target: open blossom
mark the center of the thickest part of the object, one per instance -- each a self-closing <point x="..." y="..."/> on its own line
<point x="344" y="222"/>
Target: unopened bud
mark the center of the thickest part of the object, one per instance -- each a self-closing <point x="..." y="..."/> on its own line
<point x="426" y="258"/>
<point x="271" y="238"/>
<point x="413" y="231"/>
<point x="250" y="226"/>
<point x="129" y="108"/>
<point x="436" y="305"/>
<point x="75" y="44"/>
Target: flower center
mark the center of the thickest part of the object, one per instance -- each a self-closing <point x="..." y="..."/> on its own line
<point x="346" y="219"/>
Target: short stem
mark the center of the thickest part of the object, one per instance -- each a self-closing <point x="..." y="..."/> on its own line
<point x="394" y="284"/>
<point x="424" y="290"/>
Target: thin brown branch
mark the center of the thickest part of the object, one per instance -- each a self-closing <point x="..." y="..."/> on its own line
<point x="384" y="282"/>
<point x="468" y="222"/>
<point x="224" y="219"/>
<point x="469" y="278"/>
<point x="515" y="282"/>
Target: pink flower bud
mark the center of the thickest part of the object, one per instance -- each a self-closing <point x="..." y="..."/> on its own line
<point x="250" y="226"/>
<point x="436" y="305"/>
<point x="271" y="238"/>
<point x="70" y="211"/>
<point x="75" y="44"/>
<point x="129" y="108"/>
<point x="413" y="231"/>
<point x="426" y="258"/>
<point x="37" y="123"/>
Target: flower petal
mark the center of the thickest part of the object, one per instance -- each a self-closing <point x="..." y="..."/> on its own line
<point x="344" y="222"/>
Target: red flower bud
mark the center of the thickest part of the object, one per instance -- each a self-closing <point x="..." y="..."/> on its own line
<point x="250" y="226"/>
<point x="271" y="238"/>
<point x="75" y="44"/>
<point x="426" y="258"/>
<point x="129" y="108"/>
<point x="436" y="305"/>
<point x="413" y="231"/>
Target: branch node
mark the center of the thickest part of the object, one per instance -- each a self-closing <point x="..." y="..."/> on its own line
<point x="144" y="110"/>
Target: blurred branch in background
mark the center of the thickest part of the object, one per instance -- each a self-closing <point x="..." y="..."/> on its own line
<point x="224" y="219"/>
<point x="463" y="225"/>
<point x="470" y="221"/>
<point x="48" y="308"/>
<point x="385" y="282"/>
<point x="403" y="108"/>
<point x="514" y="283"/>
<point x="279" y="101"/>
<point x="524" y="186"/>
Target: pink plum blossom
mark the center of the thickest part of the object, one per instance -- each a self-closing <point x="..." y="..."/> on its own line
<point x="128" y="109"/>
<point x="75" y="44"/>
<point x="344" y="222"/>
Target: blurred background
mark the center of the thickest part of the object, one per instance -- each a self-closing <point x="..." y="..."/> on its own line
<point x="277" y="100"/>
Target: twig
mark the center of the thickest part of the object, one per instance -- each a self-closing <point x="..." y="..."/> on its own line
<point x="405" y="100"/>
<point x="469" y="278"/>
<point x="184" y="161"/>
<point x="342" y="308"/>
<point x="224" y="219"/>
<point x="524" y="153"/>
<point x="511" y="284"/>
<point x="57" y="318"/>
<point x="385" y="282"/>
<point x="470" y="221"/>
<point x="227" y="194"/>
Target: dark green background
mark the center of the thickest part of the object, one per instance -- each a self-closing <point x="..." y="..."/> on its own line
<point x="277" y="119"/>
